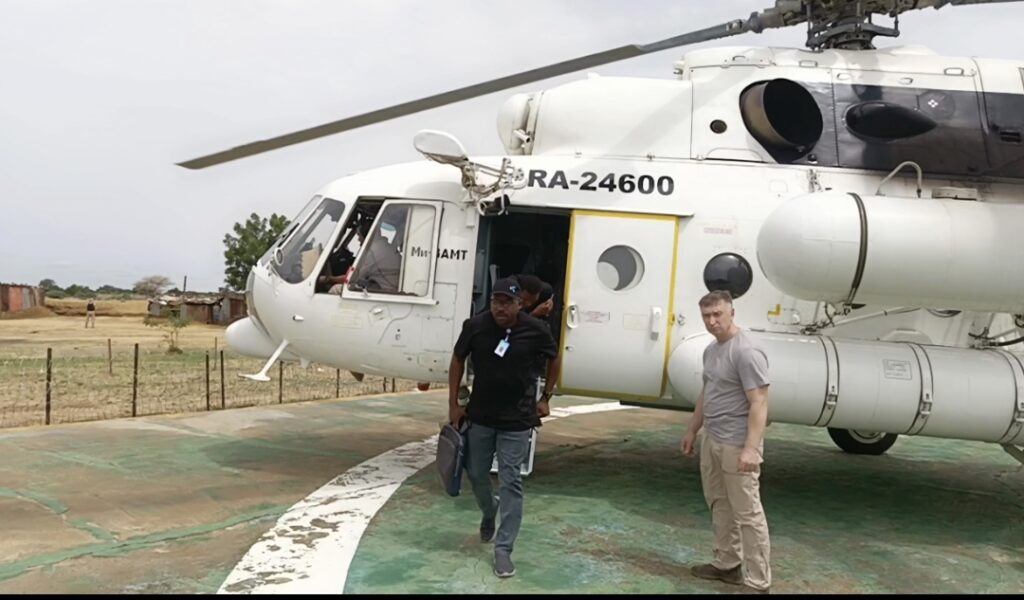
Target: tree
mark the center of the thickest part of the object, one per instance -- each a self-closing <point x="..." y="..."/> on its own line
<point x="79" y="291"/>
<point x="49" y="285"/>
<point x="111" y="289"/>
<point x="151" y="286"/>
<point x="251" y="240"/>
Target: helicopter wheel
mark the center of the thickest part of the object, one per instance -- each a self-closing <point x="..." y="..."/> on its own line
<point x="862" y="442"/>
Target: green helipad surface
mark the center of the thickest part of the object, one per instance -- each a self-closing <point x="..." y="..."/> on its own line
<point x="172" y="504"/>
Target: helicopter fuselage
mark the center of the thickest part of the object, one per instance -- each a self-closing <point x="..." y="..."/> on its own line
<point x="656" y="192"/>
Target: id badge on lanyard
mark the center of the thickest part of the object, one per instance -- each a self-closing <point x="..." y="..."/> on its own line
<point x="503" y="344"/>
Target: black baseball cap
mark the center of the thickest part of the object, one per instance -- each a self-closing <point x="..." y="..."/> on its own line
<point x="508" y="286"/>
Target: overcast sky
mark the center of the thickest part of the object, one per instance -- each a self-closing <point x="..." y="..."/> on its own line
<point x="100" y="98"/>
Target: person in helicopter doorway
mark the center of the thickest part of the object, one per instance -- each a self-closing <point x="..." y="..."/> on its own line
<point x="538" y="301"/>
<point x="504" y="344"/>
<point x="538" y="296"/>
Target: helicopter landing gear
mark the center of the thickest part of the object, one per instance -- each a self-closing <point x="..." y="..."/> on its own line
<point x="262" y="375"/>
<point x="862" y="442"/>
<point x="1014" y="451"/>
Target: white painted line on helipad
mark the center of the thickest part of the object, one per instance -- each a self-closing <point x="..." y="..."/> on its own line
<point x="310" y="548"/>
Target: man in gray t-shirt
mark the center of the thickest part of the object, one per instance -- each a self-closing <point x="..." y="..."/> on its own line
<point x="730" y="369"/>
<point x="733" y="410"/>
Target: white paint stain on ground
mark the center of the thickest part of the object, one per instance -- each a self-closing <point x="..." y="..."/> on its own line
<point x="233" y="421"/>
<point x="310" y="548"/>
<point x="144" y="425"/>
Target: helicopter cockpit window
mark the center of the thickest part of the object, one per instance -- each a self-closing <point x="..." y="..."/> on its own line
<point x="397" y="257"/>
<point x="289" y="229"/>
<point x="295" y="259"/>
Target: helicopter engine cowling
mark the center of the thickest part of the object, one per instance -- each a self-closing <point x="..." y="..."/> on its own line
<point x="875" y="386"/>
<point x="934" y="253"/>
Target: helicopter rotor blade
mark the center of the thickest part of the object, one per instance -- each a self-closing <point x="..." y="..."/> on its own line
<point x="757" y="22"/>
<point x="784" y="13"/>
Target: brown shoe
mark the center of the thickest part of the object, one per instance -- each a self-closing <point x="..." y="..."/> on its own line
<point x="709" y="571"/>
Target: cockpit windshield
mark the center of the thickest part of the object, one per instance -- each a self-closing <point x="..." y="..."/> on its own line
<point x="295" y="256"/>
<point x="265" y="260"/>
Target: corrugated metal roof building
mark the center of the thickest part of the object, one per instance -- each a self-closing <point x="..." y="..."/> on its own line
<point x="220" y="311"/>
<point x="15" y="297"/>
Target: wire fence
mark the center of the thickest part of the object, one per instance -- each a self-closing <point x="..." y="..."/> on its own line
<point x="85" y="384"/>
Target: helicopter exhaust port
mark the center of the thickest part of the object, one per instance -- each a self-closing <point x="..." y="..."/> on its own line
<point x="783" y="116"/>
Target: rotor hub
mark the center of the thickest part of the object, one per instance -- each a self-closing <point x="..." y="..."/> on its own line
<point x="849" y="32"/>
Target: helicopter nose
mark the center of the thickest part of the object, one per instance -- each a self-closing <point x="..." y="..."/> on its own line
<point x="246" y="337"/>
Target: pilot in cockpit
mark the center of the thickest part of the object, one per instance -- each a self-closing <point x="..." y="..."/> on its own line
<point x="339" y="264"/>
<point x="380" y="270"/>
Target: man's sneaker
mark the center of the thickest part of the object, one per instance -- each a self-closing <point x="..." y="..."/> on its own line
<point x="503" y="566"/>
<point x="709" y="571"/>
<point x="488" y="531"/>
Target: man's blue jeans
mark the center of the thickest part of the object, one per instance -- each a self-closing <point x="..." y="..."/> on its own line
<point x="511" y="447"/>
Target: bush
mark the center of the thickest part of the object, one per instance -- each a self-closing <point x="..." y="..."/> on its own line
<point x="171" y="321"/>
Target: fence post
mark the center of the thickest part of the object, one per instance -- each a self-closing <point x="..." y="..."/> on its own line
<point x="392" y="384"/>
<point x="215" y="351"/>
<point x="222" y="401"/>
<point x="135" y="380"/>
<point x="337" y="386"/>
<point x="280" y="382"/>
<point x="207" y="380"/>
<point x="49" y="381"/>
<point x="110" y="357"/>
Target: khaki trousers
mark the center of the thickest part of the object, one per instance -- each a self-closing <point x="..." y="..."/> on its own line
<point x="741" y="529"/>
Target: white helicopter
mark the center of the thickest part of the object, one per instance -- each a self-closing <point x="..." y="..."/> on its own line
<point x="863" y="206"/>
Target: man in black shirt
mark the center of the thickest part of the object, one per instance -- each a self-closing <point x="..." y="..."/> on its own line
<point x="90" y="314"/>
<point x="504" y="344"/>
<point x="538" y="300"/>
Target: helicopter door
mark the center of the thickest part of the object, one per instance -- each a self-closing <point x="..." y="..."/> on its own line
<point x="618" y="302"/>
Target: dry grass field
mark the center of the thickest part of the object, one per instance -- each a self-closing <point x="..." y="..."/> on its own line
<point x="104" y="308"/>
<point x="29" y="338"/>
<point x="85" y="385"/>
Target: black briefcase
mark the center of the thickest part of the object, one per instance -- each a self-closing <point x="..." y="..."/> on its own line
<point x="451" y="457"/>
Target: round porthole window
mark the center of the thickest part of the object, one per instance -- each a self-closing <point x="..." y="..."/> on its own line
<point x="729" y="272"/>
<point x="620" y="268"/>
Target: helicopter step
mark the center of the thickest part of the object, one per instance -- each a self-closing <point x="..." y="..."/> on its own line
<point x="879" y="387"/>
